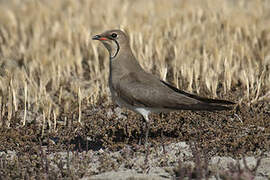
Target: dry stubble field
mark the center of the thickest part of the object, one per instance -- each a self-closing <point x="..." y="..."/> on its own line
<point x="53" y="78"/>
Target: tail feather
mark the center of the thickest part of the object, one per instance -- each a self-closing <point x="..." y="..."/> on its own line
<point x="201" y="107"/>
<point x="211" y="107"/>
<point x="203" y="99"/>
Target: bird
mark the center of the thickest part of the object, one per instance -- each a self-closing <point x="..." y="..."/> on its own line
<point x="142" y="92"/>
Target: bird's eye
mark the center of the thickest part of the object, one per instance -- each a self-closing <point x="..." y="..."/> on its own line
<point x="114" y="35"/>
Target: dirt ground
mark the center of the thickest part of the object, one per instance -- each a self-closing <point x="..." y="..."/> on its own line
<point x="243" y="131"/>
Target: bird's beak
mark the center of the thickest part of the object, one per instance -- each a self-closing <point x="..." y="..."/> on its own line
<point x="100" y="38"/>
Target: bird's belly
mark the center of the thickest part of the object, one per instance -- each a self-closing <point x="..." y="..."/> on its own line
<point x="122" y="103"/>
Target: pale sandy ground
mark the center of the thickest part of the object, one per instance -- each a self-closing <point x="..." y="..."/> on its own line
<point x="133" y="165"/>
<point x="176" y="152"/>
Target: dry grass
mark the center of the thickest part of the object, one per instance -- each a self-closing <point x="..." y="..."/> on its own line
<point x="49" y="65"/>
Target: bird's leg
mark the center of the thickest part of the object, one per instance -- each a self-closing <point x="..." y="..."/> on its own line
<point x="142" y="130"/>
<point x="145" y="130"/>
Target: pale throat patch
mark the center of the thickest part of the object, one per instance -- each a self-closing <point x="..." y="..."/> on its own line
<point x="112" y="47"/>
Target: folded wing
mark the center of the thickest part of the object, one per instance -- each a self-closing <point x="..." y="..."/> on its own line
<point x="151" y="92"/>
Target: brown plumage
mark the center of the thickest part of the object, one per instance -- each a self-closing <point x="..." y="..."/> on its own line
<point x="142" y="92"/>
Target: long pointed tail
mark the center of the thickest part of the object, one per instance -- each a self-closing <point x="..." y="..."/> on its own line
<point x="211" y="107"/>
<point x="202" y="99"/>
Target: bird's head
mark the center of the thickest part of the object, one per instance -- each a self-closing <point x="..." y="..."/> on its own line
<point x="113" y="40"/>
